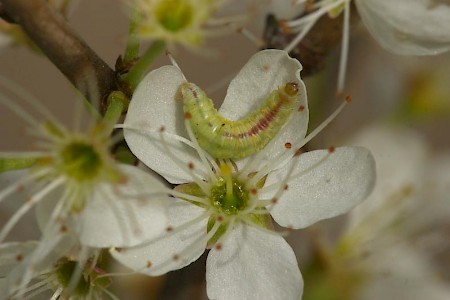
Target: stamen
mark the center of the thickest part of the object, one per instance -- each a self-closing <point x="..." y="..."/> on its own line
<point x="344" y="49"/>
<point x="203" y="239"/>
<point x="174" y="63"/>
<point x="22" y="181"/>
<point x="19" y="111"/>
<point x="276" y="185"/>
<point x="57" y="293"/>
<point x="196" y="178"/>
<point x="29" y="98"/>
<point x="34" y="286"/>
<point x="250" y="36"/>
<point x="299" y="37"/>
<point x="183" y="140"/>
<point x="283" y="158"/>
<point x="28" y="205"/>
<point x="307" y="22"/>
<point x="179" y="228"/>
<point x="37" y="254"/>
<point x="110" y="294"/>
<point x="199" y="150"/>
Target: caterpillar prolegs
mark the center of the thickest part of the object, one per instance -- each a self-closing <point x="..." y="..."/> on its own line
<point x="223" y="138"/>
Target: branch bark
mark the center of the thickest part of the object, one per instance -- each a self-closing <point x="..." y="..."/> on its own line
<point x="71" y="55"/>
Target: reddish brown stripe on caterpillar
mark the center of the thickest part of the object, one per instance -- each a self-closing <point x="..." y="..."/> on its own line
<point x="223" y="138"/>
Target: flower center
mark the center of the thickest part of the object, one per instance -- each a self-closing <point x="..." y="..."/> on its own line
<point x="229" y="195"/>
<point x="81" y="161"/>
<point x="65" y="269"/>
<point x="64" y="272"/>
<point x="174" y="15"/>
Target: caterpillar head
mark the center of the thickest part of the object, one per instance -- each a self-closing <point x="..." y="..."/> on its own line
<point x="291" y="89"/>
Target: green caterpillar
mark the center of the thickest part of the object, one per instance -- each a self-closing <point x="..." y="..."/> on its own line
<point x="223" y="138"/>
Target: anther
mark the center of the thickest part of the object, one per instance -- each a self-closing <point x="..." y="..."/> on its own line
<point x="331" y="149"/>
<point x="162" y="129"/>
<point x="253" y="191"/>
<point x="284" y="27"/>
<point x="176" y="257"/>
<point x="220" y="218"/>
<point x="301" y="108"/>
<point x="19" y="257"/>
<point x="285" y="187"/>
<point x="169" y="229"/>
<point x="274" y="200"/>
<point x="149" y="264"/>
<point x="187" y="115"/>
<point x="218" y="246"/>
<point x="288" y="145"/>
<point x="348" y="99"/>
<point x="63" y="229"/>
<point x="191" y="165"/>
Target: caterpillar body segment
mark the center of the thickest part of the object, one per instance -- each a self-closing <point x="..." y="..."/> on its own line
<point x="223" y="138"/>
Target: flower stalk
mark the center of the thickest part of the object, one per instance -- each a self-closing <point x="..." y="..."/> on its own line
<point x="140" y="68"/>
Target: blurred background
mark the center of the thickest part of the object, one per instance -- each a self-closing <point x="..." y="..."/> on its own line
<point x="394" y="246"/>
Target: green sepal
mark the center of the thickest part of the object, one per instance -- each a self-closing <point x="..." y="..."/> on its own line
<point x="262" y="220"/>
<point x="16" y="163"/>
<point x="192" y="189"/>
<point x="222" y="229"/>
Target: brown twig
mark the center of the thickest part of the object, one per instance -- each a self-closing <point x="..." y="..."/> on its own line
<point x="70" y="54"/>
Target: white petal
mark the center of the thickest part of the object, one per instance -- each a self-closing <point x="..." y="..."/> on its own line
<point x="265" y="72"/>
<point x="331" y="184"/>
<point x="253" y="264"/>
<point x="401" y="157"/>
<point x="400" y="272"/>
<point x="126" y="214"/>
<point x="173" y="251"/>
<point x="154" y="105"/>
<point x="414" y="27"/>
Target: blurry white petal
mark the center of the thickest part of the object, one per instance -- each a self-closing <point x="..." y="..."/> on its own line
<point x="402" y="273"/>
<point x="332" y="184"/>
<point x="401" y="158"/>
<point x="412" y="27"/>
<point x="253" y="264"/>
<point x="172" y="251"/>
<point x="125" y="214"/>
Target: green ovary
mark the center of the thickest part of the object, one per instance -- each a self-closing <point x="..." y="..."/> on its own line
<point x="81" y="161"/>
<point x="174" y="15"/>
<point x="229" y="196"/>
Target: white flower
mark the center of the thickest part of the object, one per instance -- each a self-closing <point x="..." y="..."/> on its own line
<point x="174" y="21"/>
<point x="80" y="192"/>
<point x="407" y="27"/>
<point x="385" y="233"/>
<point x="411" y="27"/>
<point x="226" y="204"/>
<point x="65" y="278"/>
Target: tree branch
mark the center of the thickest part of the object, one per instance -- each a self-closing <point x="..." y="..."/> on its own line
<point x="70" y="54"/>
